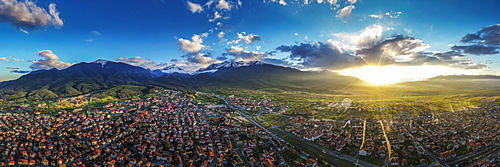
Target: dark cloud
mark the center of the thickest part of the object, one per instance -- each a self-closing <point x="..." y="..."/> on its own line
<point x="449" y="55"/>
<point x="488" y="36"/>
<point x="391" y="49"/>
<point x="12" y="68"/>
<point x="240" y="54"/>
<point x="477" y="49"/>
<point x="20" y="71"/>
<point x="484" y="42"/>
<point x="321" y="55"/>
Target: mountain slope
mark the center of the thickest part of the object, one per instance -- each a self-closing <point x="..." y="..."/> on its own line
<point x="77" y="79"/>
<point x="457" y="82"/>
<point x="259" y="76"/>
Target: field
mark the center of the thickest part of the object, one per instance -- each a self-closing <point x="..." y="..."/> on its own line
<point x="373" y="101"/>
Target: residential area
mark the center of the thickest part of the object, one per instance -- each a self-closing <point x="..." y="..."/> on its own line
<point x="168" y="130"/>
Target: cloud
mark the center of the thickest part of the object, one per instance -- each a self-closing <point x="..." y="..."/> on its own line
<point x="18" y="60"/>
<point x="489" y="36"/>
<point x="345" y="12"/>
<point x="193" y="46"/>
<point x="96" y="33"/>
<point x="352" y="1"/>
<point x="477" y="49"/>
<point x="281" y="2"/>
<point x="390" y="50"/>
<point x="12" y="68"/>
<point x="484" y="42"/>
<point x="221" y="34"/>
<point x="142" y="62"/>
<point x="240" y="54"/>
<point x="194" y="8"/>
<point x="204" y="35"/>
<point x="20" y="71"/>
<point x="408" y="51"/>
<point x="321" y="55"/>
<point x="5" y="59"/>
<point x="250" y="38"/>
<point x="27" y="15"/>
<point x="50" y="61"/>
<point x="194" y="62"/>
<point x="55" y="14"/>
<point x="223" y="4"/>
<point x="216" y="16"/>
<point x="362" y="39"/>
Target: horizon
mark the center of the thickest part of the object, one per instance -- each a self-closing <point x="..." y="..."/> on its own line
<point x="349" y="72"/>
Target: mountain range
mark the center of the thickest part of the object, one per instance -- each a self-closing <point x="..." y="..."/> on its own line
<point x="108" y="78"/>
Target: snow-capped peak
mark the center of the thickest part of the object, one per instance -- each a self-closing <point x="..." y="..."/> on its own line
<point x="102" y="62"/>
<point x="227" y="64"/>
<point x="173" y="69"/>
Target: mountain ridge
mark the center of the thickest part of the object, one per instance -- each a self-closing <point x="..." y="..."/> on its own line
<point x="102" y="75"/>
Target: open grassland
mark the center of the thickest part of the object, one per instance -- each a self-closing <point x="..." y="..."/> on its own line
<point x="374" y="100"/>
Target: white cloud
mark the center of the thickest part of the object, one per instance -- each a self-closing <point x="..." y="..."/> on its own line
<point x="408" y="30"/>
<point x="332" y="2"/>
<point x="28" y="15"/>
<point x="216" y="16"/>
<point x="346" y="11"/>
<point x="204" y="35"/>
<point x="352" y="1"/>
<point x="221" y="34"/>
<point x="223" y="4"/>
<point x="250" y="38"/>
<point x="281" y="2"/>
<point x="89" y="40"/>
<point x="53" y="11"/>
<point x="296" y="34"/>
<point x="194" y="62"/>
<point x="194" y="8"/>
<point x="142" y="62"/>
<point x="235" y="49"/>
<point x="24" y="31"/>
<point x="96" y="33"/>
<point x="258" y="47"/>
<point x="18" y="60"/>
<point x="209" y="3"/>
<point x="5" y="59"/>
<point x="193" y="46"/>
<point x="362" y="39"/>
<point x="377" y="16"/>
<point x="50" y="61"/>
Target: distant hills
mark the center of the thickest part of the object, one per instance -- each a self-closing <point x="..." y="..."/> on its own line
<point x="108" y="78"/>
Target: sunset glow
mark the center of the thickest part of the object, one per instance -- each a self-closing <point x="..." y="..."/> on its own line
<point x="381" y="75"/>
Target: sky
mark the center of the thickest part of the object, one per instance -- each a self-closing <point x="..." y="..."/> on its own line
<point x="361" y="38"/>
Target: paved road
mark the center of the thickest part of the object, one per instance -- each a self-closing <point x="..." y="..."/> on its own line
<point x="327" y="151"/>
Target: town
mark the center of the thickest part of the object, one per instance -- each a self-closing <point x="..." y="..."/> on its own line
<point x="169" y="130"/>
<point x="173" y="129"/>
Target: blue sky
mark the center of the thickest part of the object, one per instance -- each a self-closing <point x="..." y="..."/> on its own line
<point x="316" y="34"/>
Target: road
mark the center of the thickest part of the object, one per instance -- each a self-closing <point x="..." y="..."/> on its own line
<point x="437" y="159"/>
<point x="472" y="154"/>
<point x="327" y="151"/>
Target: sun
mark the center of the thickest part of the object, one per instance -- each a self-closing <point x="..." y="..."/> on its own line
<point x="382" y="75"/>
